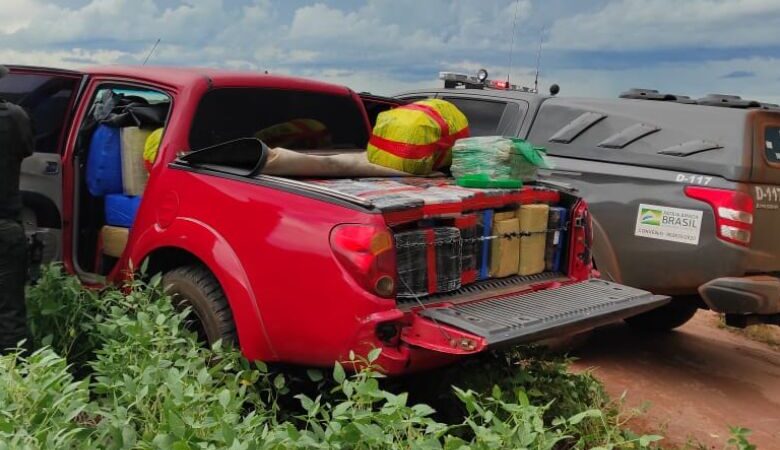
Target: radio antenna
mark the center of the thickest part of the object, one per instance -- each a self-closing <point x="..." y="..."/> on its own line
<point x="538" y="61"/>
<point x="512" y="45"/>
<point x="151" y="51"/>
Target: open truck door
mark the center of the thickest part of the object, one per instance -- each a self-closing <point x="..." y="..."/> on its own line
<point x="49" y="96"/>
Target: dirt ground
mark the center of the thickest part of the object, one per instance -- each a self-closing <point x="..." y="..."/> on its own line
<point x="698" y="380"/>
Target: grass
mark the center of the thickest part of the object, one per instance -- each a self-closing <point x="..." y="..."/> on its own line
<point x="765" y="334"/>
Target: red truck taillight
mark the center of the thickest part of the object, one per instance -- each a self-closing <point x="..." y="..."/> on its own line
<point x="367" y="252"/>
<point x="733" y="212"/>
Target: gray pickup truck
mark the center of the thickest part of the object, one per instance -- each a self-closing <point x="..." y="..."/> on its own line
<point x="685" y="194"/>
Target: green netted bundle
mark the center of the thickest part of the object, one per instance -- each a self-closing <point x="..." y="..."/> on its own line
<point x="492" y="161"/>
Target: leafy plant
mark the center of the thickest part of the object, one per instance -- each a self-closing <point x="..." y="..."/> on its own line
<point x="41" y="405"/>
<point x="151" y="384"/>
<point x="64" y="315"/>
<point x="739" y="439"/>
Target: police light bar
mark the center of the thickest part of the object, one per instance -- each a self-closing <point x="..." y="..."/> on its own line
<point x="455" y="80"/>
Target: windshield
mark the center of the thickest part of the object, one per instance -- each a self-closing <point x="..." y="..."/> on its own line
<point x="296" y="120"/>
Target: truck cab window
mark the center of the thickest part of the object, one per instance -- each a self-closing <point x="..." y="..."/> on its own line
<point x="484" y="115"/>
<point x="296" y="120"/>
<point x="772" y="144"/>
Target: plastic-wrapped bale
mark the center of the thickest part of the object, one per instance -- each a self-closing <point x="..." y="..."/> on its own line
<point x="467" y="224"/>
<point x="134" y="172"/>
<point x="440" y="201"/>
<point x="121" y="210"/>
<point x="533" y="220"/>
<point x="447" y="243"/>
<point x="398" y="208"/>
<point x="417" y="138"/>
<point x="505" y="246"/>
<point x="555" y="238"/>
<point x="429" y="261"/>
<point x="412" y="263"/>
<point x="114" y="240"/>
<point x="152" y="147"/>
<point x="104" y="162"/>
<point x="362" y="187"/>
<point x="496" y="162"/>
<point x="530" y="160"/>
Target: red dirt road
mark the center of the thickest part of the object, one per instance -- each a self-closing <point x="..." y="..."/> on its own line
<point x="698" y="380"/>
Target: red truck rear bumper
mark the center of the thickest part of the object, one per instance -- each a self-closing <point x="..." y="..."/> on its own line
<point x="438" y="334"/>
<point x="419" y="343"/>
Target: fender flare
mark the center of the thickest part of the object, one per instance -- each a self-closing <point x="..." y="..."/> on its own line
<point x="213" y="250"/>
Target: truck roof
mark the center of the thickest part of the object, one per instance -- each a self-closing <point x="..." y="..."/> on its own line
<point x="180" y="77"/>
<point x="534" y="98"/>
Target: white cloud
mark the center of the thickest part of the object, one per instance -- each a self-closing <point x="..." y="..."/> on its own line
<point x="66" y="59"/>
<point x="409" y="27"/>
<point x="659" y="24"/>
<point x="386" y="46"/>
<point x="375" y="82"/>
<point x="693" y="79"/>
<point x="35" y="23"/>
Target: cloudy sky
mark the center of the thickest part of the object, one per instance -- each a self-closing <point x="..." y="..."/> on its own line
<point x="591" y="47"/>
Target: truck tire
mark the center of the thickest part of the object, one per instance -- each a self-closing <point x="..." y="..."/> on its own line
<point x="668" y="317"/>
<point x="196" y="287"/>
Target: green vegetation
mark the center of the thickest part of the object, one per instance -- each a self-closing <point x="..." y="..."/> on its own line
<point x="765" y="334"/>
<point x="118" y="369"/>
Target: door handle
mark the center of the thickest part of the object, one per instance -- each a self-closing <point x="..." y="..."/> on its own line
<point x="51" y="168"/>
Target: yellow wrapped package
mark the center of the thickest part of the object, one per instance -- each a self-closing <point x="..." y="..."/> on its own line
<point x="417" y="138"/>
<point x="152" y="147"/>
<point x="296" y="134"/>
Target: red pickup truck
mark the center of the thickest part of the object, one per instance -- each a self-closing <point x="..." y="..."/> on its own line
<point x="292" y="269"/>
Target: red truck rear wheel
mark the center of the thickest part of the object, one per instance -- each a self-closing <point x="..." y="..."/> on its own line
<point x="195" y="286"/>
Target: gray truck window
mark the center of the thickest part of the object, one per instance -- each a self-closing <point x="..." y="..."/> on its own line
<point x="772" y="144"/>
<point x="484" y="115"/>
<point x="46" y="99"/>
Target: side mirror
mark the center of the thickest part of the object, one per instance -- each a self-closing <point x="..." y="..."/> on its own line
<point x="245" y="157"/>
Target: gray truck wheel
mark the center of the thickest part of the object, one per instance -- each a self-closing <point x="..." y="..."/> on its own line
<point x="195" y="286"/>
<point x="670" y="316"/>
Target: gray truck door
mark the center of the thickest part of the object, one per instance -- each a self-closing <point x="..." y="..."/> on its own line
<point x="49" y="97"/>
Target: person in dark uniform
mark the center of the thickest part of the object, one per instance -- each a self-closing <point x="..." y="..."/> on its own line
<point x="16" y="143"/>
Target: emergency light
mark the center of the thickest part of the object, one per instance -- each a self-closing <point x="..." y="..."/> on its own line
<point x="455" y="80"/>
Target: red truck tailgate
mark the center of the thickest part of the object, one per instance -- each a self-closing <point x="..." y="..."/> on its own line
<point x="530" y="316"/>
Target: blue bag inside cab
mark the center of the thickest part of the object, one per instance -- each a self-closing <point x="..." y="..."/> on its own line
<point x="121" y="210"/>
<point x="104" y="162"/>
